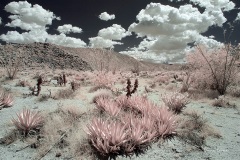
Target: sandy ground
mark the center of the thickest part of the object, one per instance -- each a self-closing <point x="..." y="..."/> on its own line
<point x="224" y="120"/>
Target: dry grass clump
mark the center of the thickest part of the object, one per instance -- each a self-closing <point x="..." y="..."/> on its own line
<point x="58" y="127"/>
<point x="175" y="101"/>
<point x="235" y="92"/>
<point x="23" y="83"/>
<point x="194" y="130"/>
<point x="102" y="93"/>
<point x="162" y="79"/>
<point x="222" y="101"/>
<point x="64" y="94"/>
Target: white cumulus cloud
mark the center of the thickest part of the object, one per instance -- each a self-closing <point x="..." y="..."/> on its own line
<point x="34" y="19"/>
<point x="0" y="20"/>
<point x="238" y="17"/>
<point x="29" y="17"/>
<point x="39" y="35"/>
<point x="99" y="42"/>
<point x="106" y="17"/>
<point x="226" y="5"/>
<point x="167" y="31"/>
<point x="68" y="28"/>
<point x="108" y="37"/>
<point x="115" y="32"/>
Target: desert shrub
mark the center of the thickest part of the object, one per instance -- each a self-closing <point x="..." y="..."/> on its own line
<point x="102" y="78"/>
<point x="23" y="83"/>
<point x="194" y="130"/>
<point x="235" y="92"/>
<point x="64" y="94"/>
<point x="222" y="101"/>
<point x="27" y="120"/>
<point x="6" y="99"/>
<point x="12" y="66"/>
<point x="214" y="68"/>
<point x="102" y="93"/>
<point x="175" y="101"/>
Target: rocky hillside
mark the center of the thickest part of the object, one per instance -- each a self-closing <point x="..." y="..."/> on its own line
<point x="40" y="54"/>
<point x="58" y="57"/>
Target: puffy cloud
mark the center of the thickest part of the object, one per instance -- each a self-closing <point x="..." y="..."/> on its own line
<point x="68" y="28"/>
<point x="115" y="32"/>
<point x="99" y="42"/>
<point x="226" y="5"/>
<point x="108" y="37"/>
<point x="41" y="36"/>
<point x="0" y="20"/>
<point x="106" y="17"/>
<point x="29" y="17"/>
<point x="34" y="19"/>
<point x="167" y="30"/>
<point x="238" y="17"/>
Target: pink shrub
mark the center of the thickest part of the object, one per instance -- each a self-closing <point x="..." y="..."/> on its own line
<point x="214" y="68"/>
<point x="102" y="78"/>
<point x="175" y="101"/>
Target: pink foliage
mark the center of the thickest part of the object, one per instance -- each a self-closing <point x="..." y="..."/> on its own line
<point x="175" y="101"/>
<point x="27" y="120"/>
<point x="102" y="78"/>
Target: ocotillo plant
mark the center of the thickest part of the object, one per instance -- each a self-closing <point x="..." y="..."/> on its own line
<point x="64" y="79"/>
<point x="129" y="87"/>
<point x="39" y="82"/>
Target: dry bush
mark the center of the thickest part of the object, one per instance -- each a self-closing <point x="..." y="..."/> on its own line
<point x="64" y="94"/>
<point x="194" y="130"/>
<point x="23" y="83"/>
<point x="10" y="137"/>
<point x="215" y="68"/>
<point x="234" y="92"/>
<point x="12" y="66"/>
<point x="95" y="88"/>
<point x="102" y="78"/>
<point x="162" y="79"/>
<point x="102" y="93"/>
<point x="175" y="101"/>
<point x="222" y="101"/>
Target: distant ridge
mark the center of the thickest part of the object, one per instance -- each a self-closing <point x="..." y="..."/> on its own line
<point x="58" y="57"/>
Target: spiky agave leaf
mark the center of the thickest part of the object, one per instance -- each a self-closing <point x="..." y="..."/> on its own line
<point x="27" y="120"/>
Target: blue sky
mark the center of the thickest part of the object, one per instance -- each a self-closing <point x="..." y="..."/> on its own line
<point x="158" y="30"/>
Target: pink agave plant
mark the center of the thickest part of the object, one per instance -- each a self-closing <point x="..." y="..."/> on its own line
<point x="6" y="99"/>
<point x="111" y="107"/>
<point x="27" y="120"/>
<point x="166" y="122"/>
<point x="107" y="137"/>
<point x="143" y="130"/>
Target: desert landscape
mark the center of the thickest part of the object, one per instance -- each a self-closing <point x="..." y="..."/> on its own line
<point x="67" y="103"/>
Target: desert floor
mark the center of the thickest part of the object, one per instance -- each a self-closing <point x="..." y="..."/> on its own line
<point x="223" y="120"/>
